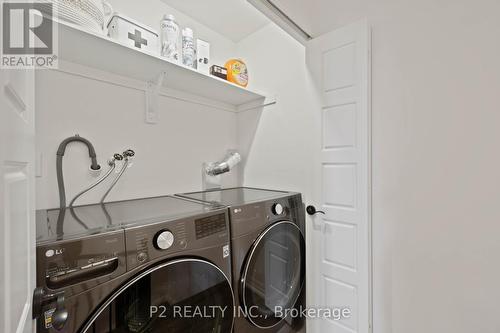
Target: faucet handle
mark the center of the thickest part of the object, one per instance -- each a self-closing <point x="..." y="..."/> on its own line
<point x="129" y="153"/>
<point x="118" y="157"/>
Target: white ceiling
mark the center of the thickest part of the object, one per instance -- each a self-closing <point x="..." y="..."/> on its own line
<point x="234" y="19"/>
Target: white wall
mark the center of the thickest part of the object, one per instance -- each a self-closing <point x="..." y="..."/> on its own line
<point x="436" y="162"/>
<point x="169" y="155"/>
<point x="436" y="166"/>
<point x="111" y="115"/>
<point x="278" y="143"/>
<point x="436" y="175"/>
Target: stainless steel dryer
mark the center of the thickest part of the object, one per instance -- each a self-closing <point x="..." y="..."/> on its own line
<point x="127" y="266"/>
<point x="268" y="254"/>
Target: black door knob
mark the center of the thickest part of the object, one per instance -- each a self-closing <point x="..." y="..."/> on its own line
<point x="311" y="210"/>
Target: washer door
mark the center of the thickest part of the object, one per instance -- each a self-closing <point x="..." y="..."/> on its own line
<point x="273" y="274"/>
<point x="186" y="295"/>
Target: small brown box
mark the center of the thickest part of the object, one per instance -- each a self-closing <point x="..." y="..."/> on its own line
<point x="218" y="71"/>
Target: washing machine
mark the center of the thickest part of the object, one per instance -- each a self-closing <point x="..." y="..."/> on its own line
<point x="148" y="265"/>
<point x="268" y="256"/>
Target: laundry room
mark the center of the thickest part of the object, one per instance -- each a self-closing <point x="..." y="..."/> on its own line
<point x="249" y="166"/>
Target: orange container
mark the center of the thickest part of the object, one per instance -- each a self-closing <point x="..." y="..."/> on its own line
<point x="237" y="72"/>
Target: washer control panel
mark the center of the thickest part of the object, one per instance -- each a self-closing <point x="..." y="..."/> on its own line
<point x="156" y="240"/>
<point x="210" y="225"/>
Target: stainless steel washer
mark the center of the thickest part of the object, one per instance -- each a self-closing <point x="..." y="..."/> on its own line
<point x="127" y="266"/>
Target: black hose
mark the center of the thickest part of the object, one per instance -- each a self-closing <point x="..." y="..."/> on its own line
<point x="60" y="223"/>
<point x="60" y="182"/>
<point x="59" y="165"/>
<point x="90" y="147"/>
<point x="60" y="177"/>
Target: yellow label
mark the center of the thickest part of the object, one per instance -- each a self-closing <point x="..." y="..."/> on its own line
<point x="236" y="69"/>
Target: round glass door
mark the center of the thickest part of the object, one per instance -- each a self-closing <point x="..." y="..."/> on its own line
<point x="273" y="275"/>
<point x="186" y="295"/>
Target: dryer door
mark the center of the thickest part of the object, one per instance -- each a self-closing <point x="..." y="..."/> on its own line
<point x="273" y="274"/>
<point x="186" y="295"/>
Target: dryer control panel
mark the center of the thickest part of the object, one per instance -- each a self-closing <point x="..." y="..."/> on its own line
<point x="253" y="216"/>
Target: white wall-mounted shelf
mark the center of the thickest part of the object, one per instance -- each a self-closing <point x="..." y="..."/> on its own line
<point x="103" y="53"/>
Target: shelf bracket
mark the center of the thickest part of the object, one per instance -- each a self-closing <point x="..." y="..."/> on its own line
<point x="259" y="104"/>
<point x="152" y="91"/>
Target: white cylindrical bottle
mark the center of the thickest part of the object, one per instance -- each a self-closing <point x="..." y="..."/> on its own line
<point x="169" y="38"/>
<point x="188" y="51"/>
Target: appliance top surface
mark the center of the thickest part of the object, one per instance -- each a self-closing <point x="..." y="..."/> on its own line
<point x="82" y="221"/>
<point x="236" y="196"/>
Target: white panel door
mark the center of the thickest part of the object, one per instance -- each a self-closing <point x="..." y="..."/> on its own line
<point x="340" y="269"/>
<point x="17" y="207"/>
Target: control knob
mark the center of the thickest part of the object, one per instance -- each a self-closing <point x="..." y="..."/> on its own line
<point x="163" y="240"/>
<point x="278" y="209"/>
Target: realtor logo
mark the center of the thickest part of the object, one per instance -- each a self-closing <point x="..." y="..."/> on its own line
<point x="28" y="35"/>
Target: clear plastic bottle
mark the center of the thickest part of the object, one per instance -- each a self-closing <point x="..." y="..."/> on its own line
<point x="188" y="51"/>
<point x="169" y="38"/>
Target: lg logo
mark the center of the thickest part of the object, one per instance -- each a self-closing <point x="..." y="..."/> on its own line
<point x="50" y="253"/>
